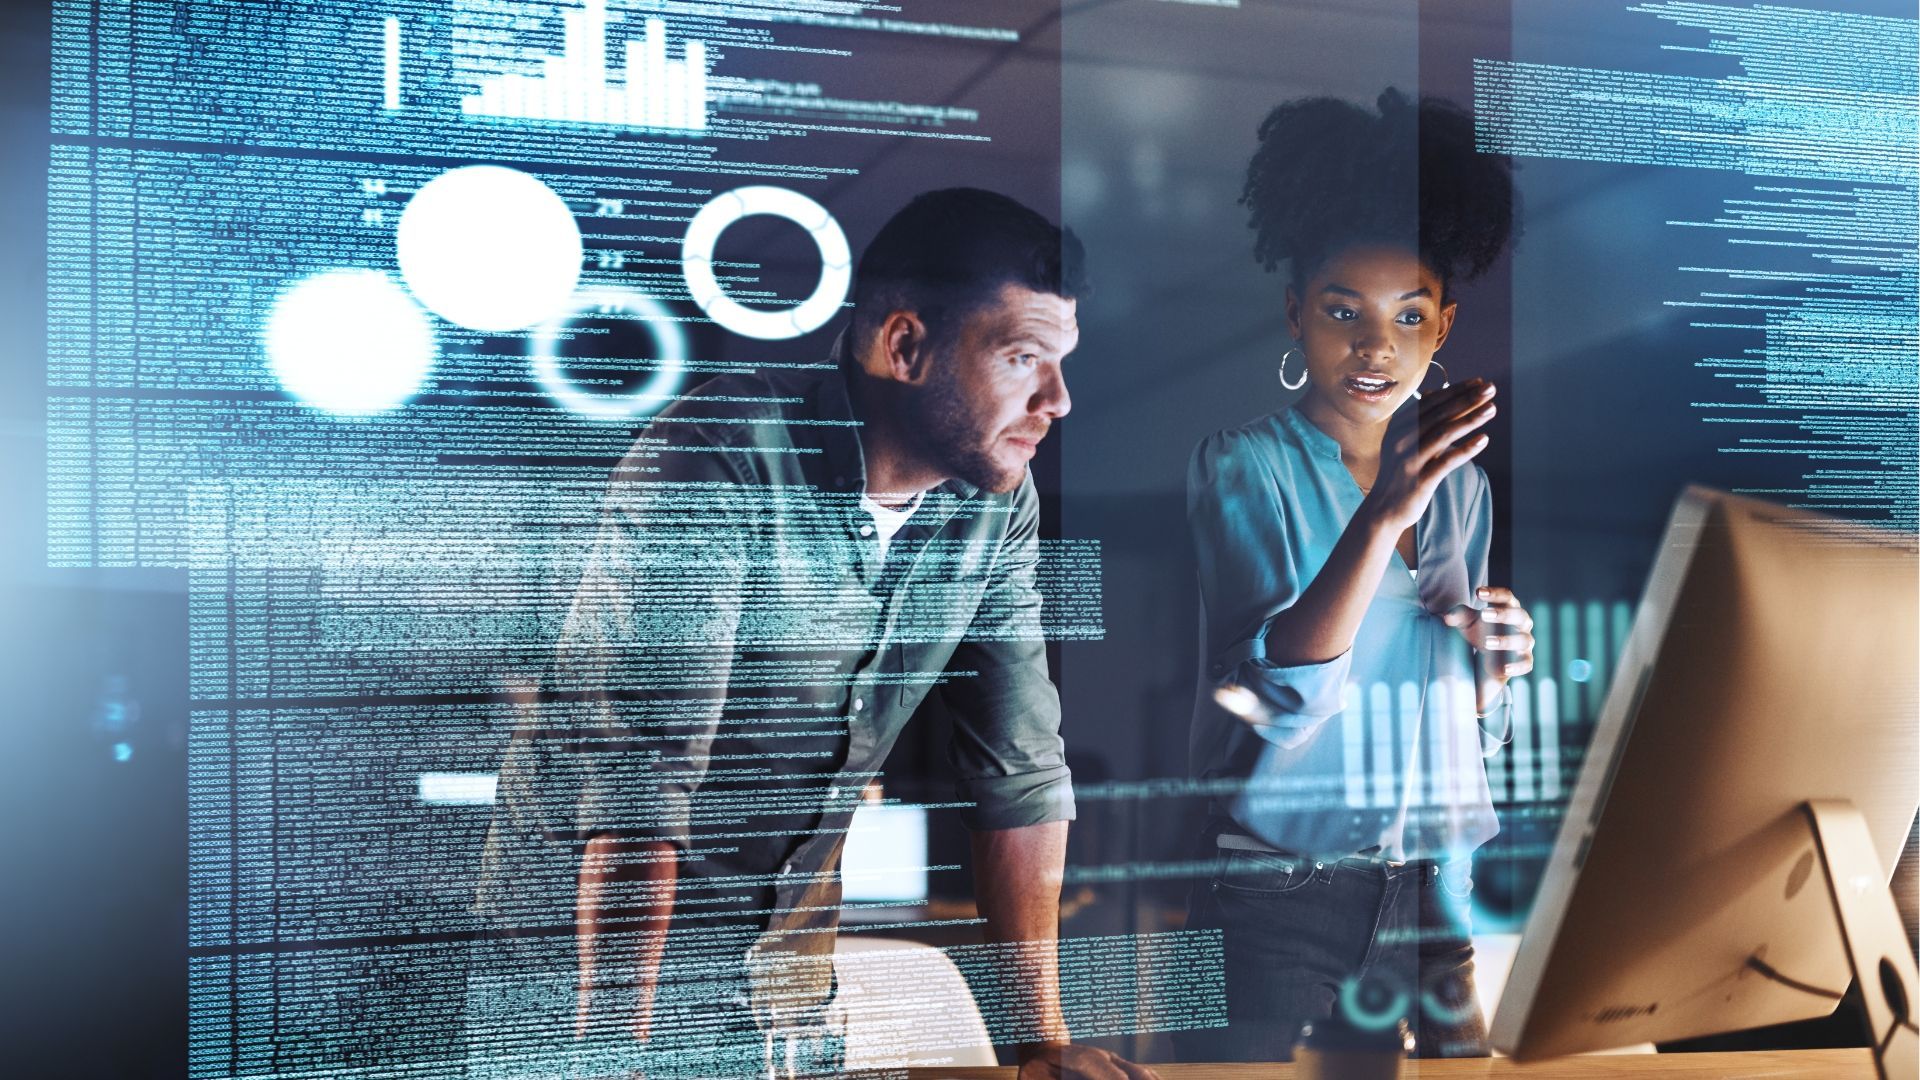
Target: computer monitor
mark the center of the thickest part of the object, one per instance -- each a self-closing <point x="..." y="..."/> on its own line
<point x="885" y="857"/>
<point x="1763" y="725"/>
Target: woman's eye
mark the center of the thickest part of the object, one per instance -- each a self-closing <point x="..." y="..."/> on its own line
<point x="1341" y="314"/>
<point x="1412" y="318"/>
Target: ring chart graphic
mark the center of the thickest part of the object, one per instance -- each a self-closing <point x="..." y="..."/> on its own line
<point x="608" y="300"/>
<point x="703" y="233"/>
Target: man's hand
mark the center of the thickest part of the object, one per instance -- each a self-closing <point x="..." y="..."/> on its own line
<point x="1067" y="1060"/>
<point x="1502" y="636"/>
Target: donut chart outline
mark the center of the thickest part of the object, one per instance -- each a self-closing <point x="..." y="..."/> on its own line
<point x="1384" y="1019"/>
<point x="608" y="299"/>
<point x="703" y="233"/>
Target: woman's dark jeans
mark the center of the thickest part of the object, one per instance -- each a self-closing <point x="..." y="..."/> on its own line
<point x="1296" y="932"/>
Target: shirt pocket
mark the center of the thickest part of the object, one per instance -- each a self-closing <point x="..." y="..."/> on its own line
<point x="939" y="612"/>
<point x="935" y="616"/>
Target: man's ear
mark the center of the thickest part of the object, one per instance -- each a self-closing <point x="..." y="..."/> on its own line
<point x="904" y="351"/>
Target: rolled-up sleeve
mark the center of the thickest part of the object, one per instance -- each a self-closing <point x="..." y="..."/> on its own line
<point x="648" y="644"/>
<point x="1245" y="551"/>
<point x="1007" y="754"/>
<point x="616" y="741"/>
<point x="1496" y="728"/>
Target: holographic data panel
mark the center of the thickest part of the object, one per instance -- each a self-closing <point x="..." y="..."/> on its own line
<point x="352" y="309"/>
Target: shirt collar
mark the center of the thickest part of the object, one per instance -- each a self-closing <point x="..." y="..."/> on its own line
<point x="1311" y="437"/>
<point x="891" y="513"/>
<point x="841" y="441"/>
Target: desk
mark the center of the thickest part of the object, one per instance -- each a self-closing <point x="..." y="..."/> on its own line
<point x="1775" y="1064"/>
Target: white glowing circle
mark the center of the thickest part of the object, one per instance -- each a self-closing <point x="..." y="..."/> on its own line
<point x="836" y="262"/>
<point x="608" y="300"/>
<point x="350" y="342"/>
<point x="489" y="248"/>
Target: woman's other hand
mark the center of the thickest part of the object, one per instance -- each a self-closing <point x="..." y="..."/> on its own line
<point x="1417" y="456"/>
<point x="1501" y="635"/>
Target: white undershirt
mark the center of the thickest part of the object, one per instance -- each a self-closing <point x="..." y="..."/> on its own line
<point x="886" y="520"/>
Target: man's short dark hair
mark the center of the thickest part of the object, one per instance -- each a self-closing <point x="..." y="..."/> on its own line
<point x="948" y="252"/>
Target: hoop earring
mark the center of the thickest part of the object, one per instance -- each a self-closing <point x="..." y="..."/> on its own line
<point x="1283" y="369"/>
<point x="1444" y="380"/>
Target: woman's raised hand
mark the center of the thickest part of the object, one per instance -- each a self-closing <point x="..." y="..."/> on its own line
<point x="1423" y="446"/>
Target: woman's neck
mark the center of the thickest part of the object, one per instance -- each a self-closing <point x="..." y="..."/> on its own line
<point x="1359" y="443"/>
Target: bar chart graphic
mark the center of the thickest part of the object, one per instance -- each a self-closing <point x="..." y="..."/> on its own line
<point x="577" y="86"/>
<point x="390" y="65"/>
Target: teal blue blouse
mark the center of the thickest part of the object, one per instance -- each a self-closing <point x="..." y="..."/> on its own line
<point x="1378" y="748"/>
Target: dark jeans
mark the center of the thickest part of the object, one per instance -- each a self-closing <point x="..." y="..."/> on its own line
<point x="1297" y="933"/>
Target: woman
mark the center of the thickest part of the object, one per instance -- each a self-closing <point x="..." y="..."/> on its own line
<point x="1354" y="657"/>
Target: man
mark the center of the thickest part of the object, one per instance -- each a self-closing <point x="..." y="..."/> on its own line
<point x="787" y="562"/>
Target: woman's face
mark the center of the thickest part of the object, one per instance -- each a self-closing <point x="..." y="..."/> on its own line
<point x="1368" y="321"/>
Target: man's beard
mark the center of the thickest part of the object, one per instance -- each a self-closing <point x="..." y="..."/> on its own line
<point x="951" y="438"/>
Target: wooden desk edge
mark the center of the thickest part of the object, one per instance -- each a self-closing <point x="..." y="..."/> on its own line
<point x="1756" y="1064"/>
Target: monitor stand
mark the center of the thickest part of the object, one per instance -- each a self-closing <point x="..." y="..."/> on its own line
<point x="1877" y="948"/>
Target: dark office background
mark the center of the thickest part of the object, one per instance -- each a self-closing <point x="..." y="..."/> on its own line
<point x="1133" y="121"/>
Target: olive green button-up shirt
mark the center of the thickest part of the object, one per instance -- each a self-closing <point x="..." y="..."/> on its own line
<point x="739" y="659"/>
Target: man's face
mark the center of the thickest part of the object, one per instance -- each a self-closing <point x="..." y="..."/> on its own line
<point x="996" y="387"/>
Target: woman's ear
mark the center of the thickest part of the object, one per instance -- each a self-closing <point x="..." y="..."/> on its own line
<point x="1293" y="313"/>
<point x="1447" y="312"/>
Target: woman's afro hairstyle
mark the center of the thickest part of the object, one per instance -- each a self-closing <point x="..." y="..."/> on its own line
<point x="1330" y="174"/>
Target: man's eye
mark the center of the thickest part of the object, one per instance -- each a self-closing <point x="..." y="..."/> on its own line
<point x="1026" y="359"/>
